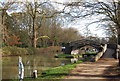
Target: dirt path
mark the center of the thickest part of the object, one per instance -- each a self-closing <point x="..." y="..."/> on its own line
<point x="105" y="68"/>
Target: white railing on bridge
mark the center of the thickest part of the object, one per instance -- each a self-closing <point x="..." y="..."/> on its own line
<point x="100" y="54"/>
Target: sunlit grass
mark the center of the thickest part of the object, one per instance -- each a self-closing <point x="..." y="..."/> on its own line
<point x="67" y="56"/>
<point x="59" y="72"/>
<point x="90" y="52"/>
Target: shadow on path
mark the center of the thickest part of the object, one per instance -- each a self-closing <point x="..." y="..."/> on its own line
<point x="105" y="68"/>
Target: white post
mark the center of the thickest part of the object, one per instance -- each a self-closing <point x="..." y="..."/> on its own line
<point x="34" y="74"/>
<point x="21" y="69"/>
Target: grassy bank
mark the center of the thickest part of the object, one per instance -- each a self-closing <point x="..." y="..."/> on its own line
<point x="14" y="51"/>
<point x="8" y="50"/>
<point x="59" y="72"/>
<point x="67" y="56"/>
<point x="54" y="74"/>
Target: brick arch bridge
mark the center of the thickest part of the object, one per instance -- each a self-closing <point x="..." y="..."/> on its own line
<point x="68" y="47"/>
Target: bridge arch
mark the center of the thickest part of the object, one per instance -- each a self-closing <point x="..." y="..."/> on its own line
<point x="81" y="43"/>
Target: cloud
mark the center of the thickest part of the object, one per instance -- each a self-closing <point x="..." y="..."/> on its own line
<point x="62" y="1"/>
<point x="23" y="0"/>
<point x="65" y="1"/>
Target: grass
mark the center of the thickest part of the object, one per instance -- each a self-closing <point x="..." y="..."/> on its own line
<point x="59" y="72"/>
<point x="66" y="56"/>
<point x="90" y="53"/>
<point x="54" y="74"/>
<point x="72" y="56"/>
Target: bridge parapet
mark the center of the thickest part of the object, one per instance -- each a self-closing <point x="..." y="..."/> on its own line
<point x="68" y="47"/>
<point x="100" y="54"/>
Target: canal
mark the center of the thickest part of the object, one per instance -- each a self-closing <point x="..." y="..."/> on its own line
<point x="31" y="62"/>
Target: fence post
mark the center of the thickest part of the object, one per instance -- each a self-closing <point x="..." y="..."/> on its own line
<point x="21" y="69"/>
<point x="34" y="74"/>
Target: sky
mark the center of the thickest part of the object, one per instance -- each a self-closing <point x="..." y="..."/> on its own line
<point x="80" y="24"/>
<point x="63" y="1"/>
<point x="93" y="29"/>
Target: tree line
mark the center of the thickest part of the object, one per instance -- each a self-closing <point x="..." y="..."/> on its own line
<point x="106" y="12"/>
<point x="39" y="23"/>
<point x="36" y="24"/>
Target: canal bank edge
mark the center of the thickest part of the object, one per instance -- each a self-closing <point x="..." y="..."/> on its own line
<point x="58" y="72"/>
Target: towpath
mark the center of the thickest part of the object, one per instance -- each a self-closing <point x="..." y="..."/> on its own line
<point x="105" y="68"/>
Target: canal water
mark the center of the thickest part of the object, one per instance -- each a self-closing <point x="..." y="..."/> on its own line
<point x="31" y="62"/>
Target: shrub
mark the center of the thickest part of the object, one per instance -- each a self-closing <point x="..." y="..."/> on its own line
<point x="8" y="50"/>
<point x="54" y="49"/>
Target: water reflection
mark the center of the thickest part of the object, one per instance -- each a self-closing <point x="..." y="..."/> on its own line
<point x="74" y="60"/>
<point x="62" y="64"/>
<point x="31" y="62"/>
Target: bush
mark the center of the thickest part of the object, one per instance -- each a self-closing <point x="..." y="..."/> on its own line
<point x="8" y="50"/>
<point x="54" y="49"/>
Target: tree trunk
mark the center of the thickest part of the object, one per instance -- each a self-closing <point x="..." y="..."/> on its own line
<point x="34" y="39"/>
<point x="34" y="35"/>
<point x="118" y="38"/>
<point x="53" y="43"/>
<point x="118" y="41"/>
<point x="4" y="28"/>
<point x="118" y="13"/>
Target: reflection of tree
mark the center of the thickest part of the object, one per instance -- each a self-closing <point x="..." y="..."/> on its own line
<point x="31" y="62"/>
<point x="44" y="61"/>
<point x="28" y="68"/>
<point x="9" y="67"/>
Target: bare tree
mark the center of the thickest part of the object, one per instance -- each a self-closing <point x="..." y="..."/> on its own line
<point x="5" y="19"/>
<point x="110" y="10"/>
<point x="38" y="12"/>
